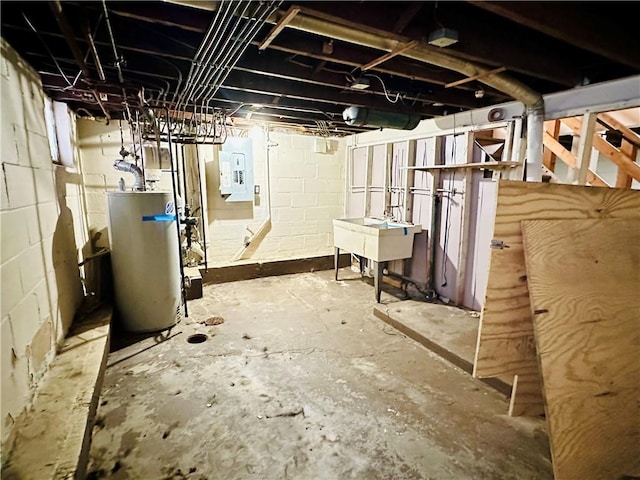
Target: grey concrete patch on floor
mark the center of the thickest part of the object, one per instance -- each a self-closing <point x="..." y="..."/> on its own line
<point x="302" y="382"/>
<point x="453" y="329"/>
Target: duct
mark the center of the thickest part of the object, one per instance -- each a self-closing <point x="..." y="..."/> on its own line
<point x="422" y="53"/>
<point x="510" y="86"/>
<point x="131" y="168"/>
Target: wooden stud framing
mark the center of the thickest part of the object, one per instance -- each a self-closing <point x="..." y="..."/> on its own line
<point x="508" y="145"/>
<point x="438" y="159"/>
<point x="623" y="179"/>
<point x="463" y="166"/>
<point x="465" y="223"/>
<point x="552" y="128"/>
<point x="569" y="159"/>
<point x="616" y="156"/>
<point x="518" y="150"/>
<point x="409" y="181"/>
<point x="475" y="77"/>
<point x="629" y="134"/>
<point x="585" y="146"/>
<point x="367" y="185"/>
<point x="401" y="47"/>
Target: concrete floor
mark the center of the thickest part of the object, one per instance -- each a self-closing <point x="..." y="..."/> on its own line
<point x="302" y="382"/>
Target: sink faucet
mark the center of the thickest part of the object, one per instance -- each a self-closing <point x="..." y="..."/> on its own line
<point x="388" y="213"/>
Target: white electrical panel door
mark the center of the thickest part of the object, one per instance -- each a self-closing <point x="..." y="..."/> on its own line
<point x="236" y="170"/>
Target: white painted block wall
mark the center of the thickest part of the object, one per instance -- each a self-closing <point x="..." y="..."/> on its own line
<point x="307" y="192"/>
<point x="41" y="231"/>
<point x="99" y="146"/>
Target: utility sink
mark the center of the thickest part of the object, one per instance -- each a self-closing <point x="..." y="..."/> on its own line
<point x="378" y="240"/>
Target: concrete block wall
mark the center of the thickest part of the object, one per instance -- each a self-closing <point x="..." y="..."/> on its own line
<point x="306" y="191"/>
<point x="42" y="229"/>
<point x="99" y="146"/>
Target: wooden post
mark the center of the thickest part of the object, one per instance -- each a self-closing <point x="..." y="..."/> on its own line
<point x="465" y="222"/>
<point x="433" y="213"/>
<point x="518" y="151"/>
<point x="506" y="152"/>
<point x="409" y="178"/>
<point x="585" y="146"/>
<point x="367" y="184"/>
<point x="552" y="127"/>
<point x="623" y="179"/>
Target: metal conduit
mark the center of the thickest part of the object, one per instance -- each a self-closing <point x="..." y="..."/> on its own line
<point x="205" y="52"/>
<point x="223" y="56"/>
<point x="213" y="60"/>
<point x="237" y="35"/>
<point x="241" y="47"/>
<point x="210" y="50"/>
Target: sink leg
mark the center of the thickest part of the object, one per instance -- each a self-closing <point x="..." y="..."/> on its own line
<point x="361" y="264"/>
<point x="377" y="278"/>
<point x="336" y="260"/>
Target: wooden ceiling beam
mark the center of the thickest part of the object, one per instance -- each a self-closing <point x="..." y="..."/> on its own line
<point x="278" y="27"/>
<point x="569" y="22"/>
<point x="272" y="64"/>
<point x="299" y="44"/>
<point x="474" y="77"/>
<point x="388" y="56"/>
<point x="406" y="16"/>
<point x="295" y="90"/>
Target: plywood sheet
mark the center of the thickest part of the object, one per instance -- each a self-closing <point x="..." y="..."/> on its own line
<point x="584" y="286"/>
<point x="506" y="345"/>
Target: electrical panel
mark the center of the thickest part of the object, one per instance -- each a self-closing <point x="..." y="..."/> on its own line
<point x="236" y="170"/>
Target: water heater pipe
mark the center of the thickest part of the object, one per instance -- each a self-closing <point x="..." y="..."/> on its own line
<point x="175" y="202"/>
<point x="131" y="168"/>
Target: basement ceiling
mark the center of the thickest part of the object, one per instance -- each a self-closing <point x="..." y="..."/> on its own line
<point x="259" y="61"/>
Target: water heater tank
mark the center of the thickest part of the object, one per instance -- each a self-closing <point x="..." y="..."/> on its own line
<point x="144" y="260"/>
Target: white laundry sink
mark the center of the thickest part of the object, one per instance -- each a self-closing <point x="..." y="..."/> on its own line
<point x="378" y="240"/>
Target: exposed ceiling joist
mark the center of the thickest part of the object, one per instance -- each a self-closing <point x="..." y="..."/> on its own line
<point x="278" y="27"/>
<point x="388" y="56"/>
<point x="475" y="77"/>
<point x="406" y="16"/>
<point x="559" y="20"/>
<point x="306" y="62"/>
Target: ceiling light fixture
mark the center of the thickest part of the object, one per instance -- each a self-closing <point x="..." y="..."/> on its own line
<point x="443" y="37"/>
<point x="361" y="83"/>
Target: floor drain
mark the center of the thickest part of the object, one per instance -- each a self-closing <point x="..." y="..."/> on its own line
<point x="197" y="338"/>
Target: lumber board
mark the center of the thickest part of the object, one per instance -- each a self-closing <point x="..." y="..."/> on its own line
<point x="584" y="284"/>
<point x="506" y="345"/>
<point x="612" y="153"/>
<point x="526" y="395"/>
